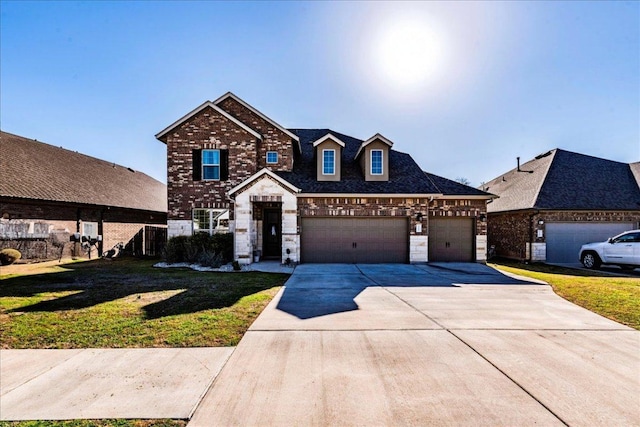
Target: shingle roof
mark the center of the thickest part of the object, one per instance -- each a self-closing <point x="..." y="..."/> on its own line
<point x="34" y="170"/>
<point x="405" y="176"/>
<point x="565" y="180"/>
<point x="449" y="187"/>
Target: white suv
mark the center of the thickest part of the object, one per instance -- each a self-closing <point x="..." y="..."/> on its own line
<point x="622" y="250"/>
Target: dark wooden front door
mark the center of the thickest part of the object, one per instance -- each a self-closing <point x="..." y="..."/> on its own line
<point x="272" y="233"/>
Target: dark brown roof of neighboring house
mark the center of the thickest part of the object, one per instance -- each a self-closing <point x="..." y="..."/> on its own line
<point x="34" y="170"/>
<point x="564" y="180"/>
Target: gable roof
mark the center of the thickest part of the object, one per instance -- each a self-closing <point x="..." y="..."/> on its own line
<point x="206" y="104"/>
<point x="259" y="175"/>
<point x="34" y="170"/>
<point x="327" y="137"/>
<point x="375" y="137"/>
<point x="258" y="113"/>
<point x="565" y="180"/>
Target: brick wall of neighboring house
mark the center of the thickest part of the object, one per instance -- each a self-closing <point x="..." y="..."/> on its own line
<point x="273" y="138"/>
<point x="41" y="230"/>
<point x="379" y="206"/>
<point x="511" y="232"/>
<point x="206" y="130"/>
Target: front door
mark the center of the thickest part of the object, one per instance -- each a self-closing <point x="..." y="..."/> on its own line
<point x="272" y="233"/>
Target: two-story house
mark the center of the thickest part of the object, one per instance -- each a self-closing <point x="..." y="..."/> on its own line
<point x="312" y="195"/>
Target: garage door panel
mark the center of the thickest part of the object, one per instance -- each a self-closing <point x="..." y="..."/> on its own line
<point x="565" y="238"/>
<point x="354" y="240"/>
<point x="451" y="239"/>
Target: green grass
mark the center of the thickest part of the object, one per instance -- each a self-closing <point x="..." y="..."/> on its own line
<point x="617" y="298"/>
<point x="96" y="423"/>
<point x="128" y="303"/>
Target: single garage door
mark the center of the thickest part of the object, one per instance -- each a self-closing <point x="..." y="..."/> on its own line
<point x="451" y="239"/>
<point x="565" y="238"/>
<point x="355" y="240"/>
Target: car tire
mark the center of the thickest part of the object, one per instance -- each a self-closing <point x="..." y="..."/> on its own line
<point x="591" y="260"/>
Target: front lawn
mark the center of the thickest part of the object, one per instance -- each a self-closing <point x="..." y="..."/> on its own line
<point x="128" y="303"/>
<point x="617" y="298"/>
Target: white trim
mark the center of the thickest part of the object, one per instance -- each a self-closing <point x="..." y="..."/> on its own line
<point x="381" y="162"/>
<point x="244" y="104"/>
<point x="377" y="136"/>
<point x="200" y="108"/>
<point x="366" y="195"/>
<point x="334" y="161"/>
<point x="327" y="137"/>
<point x="462" y="197"/>
<point x="260" y="174"/>
<point x="277" y="158"/>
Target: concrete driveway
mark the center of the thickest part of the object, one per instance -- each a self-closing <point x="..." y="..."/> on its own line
<point x="449" y="344"/>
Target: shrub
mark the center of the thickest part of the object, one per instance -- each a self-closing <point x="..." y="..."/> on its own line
<point x="8" y="256"/>
<point x="199" y="247"/>
<point x="210" y="259"/>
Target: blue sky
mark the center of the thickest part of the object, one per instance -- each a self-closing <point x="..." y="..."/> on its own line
<point x="464" y="87"/>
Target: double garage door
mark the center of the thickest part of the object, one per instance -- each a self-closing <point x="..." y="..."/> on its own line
<point x="362" y="240"/>
<point x="565" y="238"/>
<point x="382" y="240"/>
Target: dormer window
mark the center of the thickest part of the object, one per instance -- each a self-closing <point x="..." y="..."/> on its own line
<point x="211" y="164"/>
<point x="328" y="154"/>
<point x="376" y="162"/>
<point x="373" y="156"/>
<point x="272" y="157"/>
<point x="328" y="162"/>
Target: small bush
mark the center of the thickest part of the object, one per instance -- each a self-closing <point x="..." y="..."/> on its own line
<point x="210" y="259"/>
<point x="198" y="247"/>
<point x="8" y="256"/>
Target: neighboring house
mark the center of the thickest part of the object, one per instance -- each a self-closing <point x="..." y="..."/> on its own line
<point x="548" y="207"/>
<point x="312" y="195"/>
<point x="48" y="193"/>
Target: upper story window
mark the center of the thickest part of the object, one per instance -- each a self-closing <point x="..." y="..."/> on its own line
<point x="211" y="164"/>
<point x="272" y="157"/>
<point x="328" y="162"/>
<point x="376" y="162"/>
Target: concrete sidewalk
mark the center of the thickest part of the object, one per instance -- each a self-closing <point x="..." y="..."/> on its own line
<point x="421" y="345"/>
<point x="106" y="383"/>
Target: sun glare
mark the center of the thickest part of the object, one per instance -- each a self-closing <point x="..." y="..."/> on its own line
<point x="409" y="54"/>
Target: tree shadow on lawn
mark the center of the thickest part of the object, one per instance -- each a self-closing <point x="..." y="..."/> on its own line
<point x="93" y="285"/>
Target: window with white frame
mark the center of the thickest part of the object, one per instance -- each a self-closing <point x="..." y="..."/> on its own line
<point x="328" y="162"/>
<point x="272" y="157"/>
<point x="211" y="164"/>
<point x="211" y="221"/>
<point x="90" y="229"/>
<point x="376" y="162"/>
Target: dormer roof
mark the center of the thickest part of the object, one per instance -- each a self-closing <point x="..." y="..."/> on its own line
<point x="206" y="104"/>
<point x="258" y="113"/>
<point x="376" y="137"/>
<point x="327" y="137"/>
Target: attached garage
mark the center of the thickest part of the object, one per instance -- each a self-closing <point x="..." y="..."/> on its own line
<point x="565" y="238"/>
<point x="364" y="240"/>
<point x="451" y="239"/>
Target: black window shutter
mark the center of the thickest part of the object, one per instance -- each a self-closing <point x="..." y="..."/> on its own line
<point x="224" y="165"/>
<point x="197" y="164"/>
